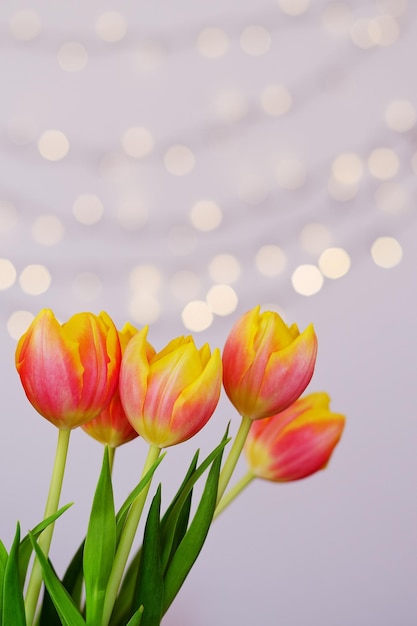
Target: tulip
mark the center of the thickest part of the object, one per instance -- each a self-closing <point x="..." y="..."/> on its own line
<point x="111" y="426"/>
<point x="267" y="364"/>
<point x="69" y="372"/>
<point x="171" y="395"/>
<point x="296" y="442"/>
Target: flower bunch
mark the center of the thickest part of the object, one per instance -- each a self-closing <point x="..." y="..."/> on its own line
<point x="117" y="387"/>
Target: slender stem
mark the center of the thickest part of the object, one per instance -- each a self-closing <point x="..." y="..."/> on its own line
<point x="126" y="539"/>
<point x="234" y="454"/>
<point x="233" y="492"/>
<point x="112" y="452"/>
<point x="35" y="581"/>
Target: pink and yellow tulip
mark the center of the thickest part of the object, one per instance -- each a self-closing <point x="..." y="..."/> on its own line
<point x="111" y="426"/>
<point x="69" y="372"/>
<point x="267" y="364"/>
<point x="170" y="396"/>
<point x="296" y="442"/>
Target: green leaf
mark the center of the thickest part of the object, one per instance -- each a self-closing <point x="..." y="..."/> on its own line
<point x="124" y="509"/>
<point x="172" y="516"/>
<point x="67" y="611"/>
<point x="124" y="603"/>
<point x="25" y="548"/>
<point x="136" y="619"/>
<point x="13" y="610"/>
<point x="100" y="545"/>
<point x="190" y="547"/>
<point x="3" y="562"/>
<point x="150" y="584"/>
<point x="73" y="582"/>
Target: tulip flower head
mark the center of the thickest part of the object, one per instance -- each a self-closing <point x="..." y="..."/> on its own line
<point x="111" y="426"/>
<point x="296" y="442"/>
<point x="170" y="396"/>
<point x="69" y="372"/>
<point x="267" y="364"/>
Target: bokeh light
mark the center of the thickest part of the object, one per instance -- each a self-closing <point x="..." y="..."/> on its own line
<point x="7" y="274"/>
<point x="386" y="252"/>
<point x="179" y="160"/>
<point x="315" y="238"/>
<point x="230" y="105"/>
<point x="206" y="215"/>
<point x="111" y="26"/>
<point x="347" y="168"/>
<point x="400" y="115"/>
<point x="224" y="268"/>
<point x="334" y="262"/>
<point x="72" y="56"/>
<point x="25" y="25"/>
<point x="197" y="315"/>
<point x="255" y="40"/>
<point x="145" y="277"/>
<point x="212" y="43"/>
<point x="35" y="279"/>
<point x="47" y="230"/>
<point x="293" y="7"/>
<point x="307" y="280"/>
<point x="53" y="145"/>
<point x="383" y="163"/>
<point x="222" y="299"/>
<point x="276" y="100"/>
<point x="270" y="260"/>
<point x="18" y="323"/>
<point x="137" y="142"/>
<point x="144" y="308"/>
<point x="88" y="209"/>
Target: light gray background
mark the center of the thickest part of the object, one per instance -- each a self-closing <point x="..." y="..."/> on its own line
<point x="338" y="549"/>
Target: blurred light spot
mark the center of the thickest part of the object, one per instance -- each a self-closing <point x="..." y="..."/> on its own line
<point x="276" y="100"/>
<point x="307" y="280"/>
<point x="360" y="33"/>
<point x="144" y="308"/>
<point x="21" y="131"/>
<point x="88" y="209"/>
<point x="72" y="56"/>
<point x="115" y="167"/>
<point x="413" y="167"/>
<point x="7" y="274"/>
<point x="336" y="19"/>
<point x="137" y="142"/>
<point x="197" y="315"/>
<point x="255" y="40"/>
<point x="149" y="56"/>
<point x="206" y="215"/>
<point x="293" y="7"/>
<point x="392" y="7"/>
<point x="47" y="230"/>
<point x="179" y="160"/>
<point x="8" y="216"/>
<point x="25" y="25"/>
<point x="340" y="191"/>
<point x="185" y="285"/>
<point x="145" y="278"/>
<point x="400" y="115"/>
<point x="53" y="145"/>
<point x="386" y="252"/>
<point x="181" y="240"/>
<point x="35" y="279"/>
<point x="230" y="105"/>
<point x="212" y="43"/>
<point x="270" y="260"/>
<point x="224" y="268"/>
<point x="87" y="286"/>
<point x="253" y="189"/>
<point x="290" y="173"/>
<point x="334" y="262"/>
<point x="18" y="323"/>
<point x="384" y="30"/>
<point x="111" y="26"/>
<point x="383" y="163"/>
<point x="222" y="299"/>
<point x="315" y="238"/>
<point x="347" y="168"/>
<point x="392" y="198"/>
<point x="132" y="213"/>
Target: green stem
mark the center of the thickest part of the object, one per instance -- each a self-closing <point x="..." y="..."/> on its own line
<point x="112" y="452"/>
<point x="233" y="492"/>
<point x="234" y="454"/>
<point x="126" y="539"/>
<point x="35" y="581"/>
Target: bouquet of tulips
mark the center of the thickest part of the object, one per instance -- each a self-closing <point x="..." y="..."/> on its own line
<point x="117" y="387"/>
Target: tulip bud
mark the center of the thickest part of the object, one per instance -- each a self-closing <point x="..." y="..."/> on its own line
<point x="267" y="364"/>
<point x="111" y="426"/>
<point x="169" y="396"/>
<point x="296" y="442"/>
<point x="69" y="372"/>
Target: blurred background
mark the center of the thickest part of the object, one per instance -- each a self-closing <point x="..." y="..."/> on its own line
<point x="176" y="164"/>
